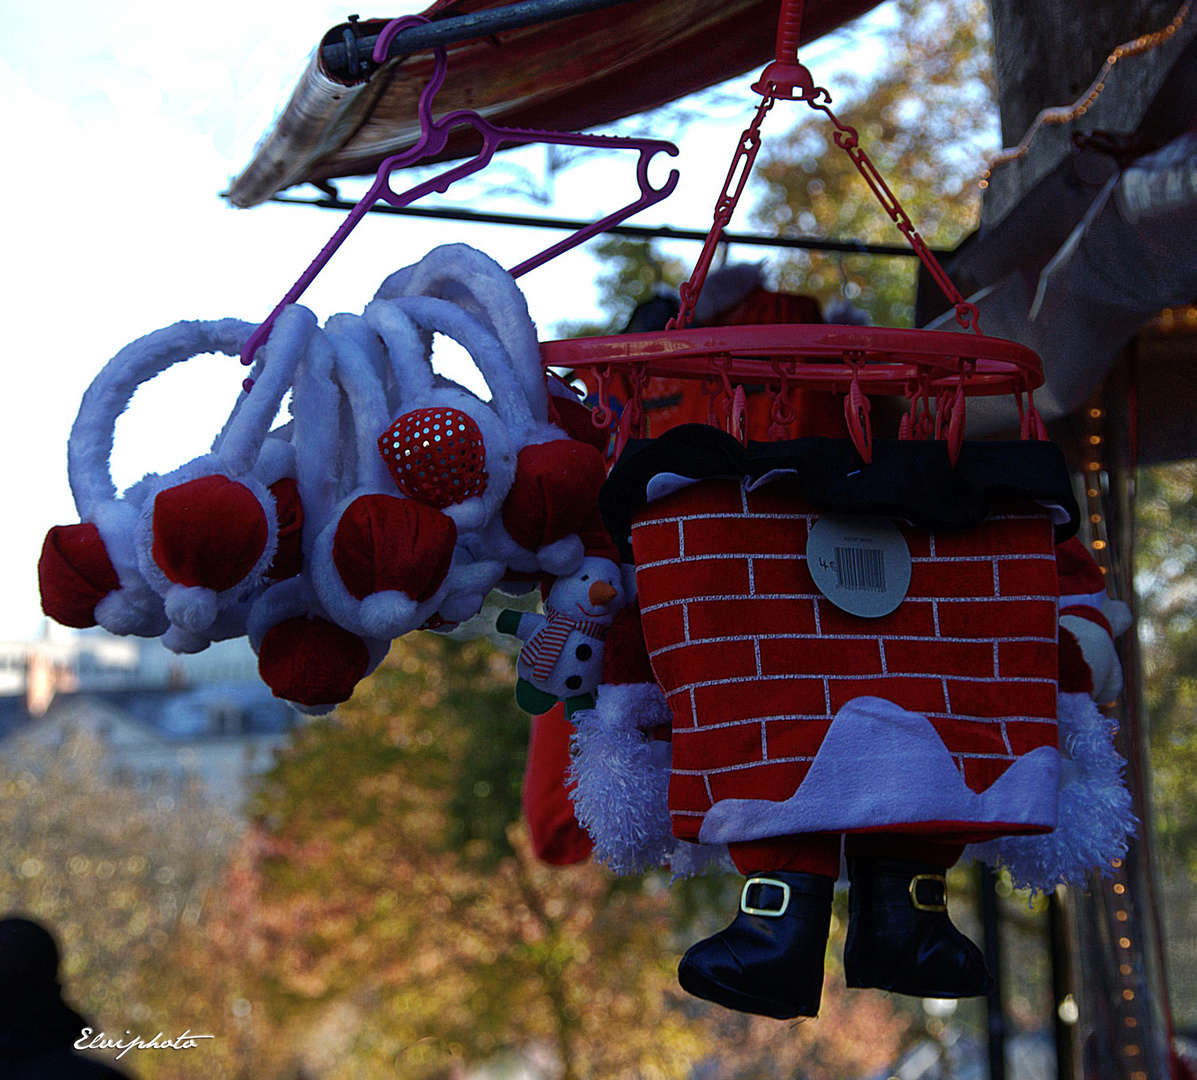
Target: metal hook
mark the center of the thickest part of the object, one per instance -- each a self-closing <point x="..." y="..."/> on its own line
<point x="602" y="414"/>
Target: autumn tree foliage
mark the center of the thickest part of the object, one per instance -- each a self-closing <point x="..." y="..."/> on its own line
<point x="1166" y="586"/>
<point x="387" y="899"/>
<point x="120" y="873"/>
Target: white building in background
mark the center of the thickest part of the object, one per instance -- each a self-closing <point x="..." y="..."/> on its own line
<point x="211" y="734"/>
<point x="77" y="661"/>
<point x="162" y="718"/>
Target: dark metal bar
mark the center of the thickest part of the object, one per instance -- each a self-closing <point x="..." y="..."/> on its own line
<point x="1064" y="1003"/>
<point x="986" y="887"/>
<point x="336" y="58"/>
<point x="661" y="232"/>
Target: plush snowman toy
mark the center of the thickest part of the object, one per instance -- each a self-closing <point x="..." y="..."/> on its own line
<point x="562" y="657"/>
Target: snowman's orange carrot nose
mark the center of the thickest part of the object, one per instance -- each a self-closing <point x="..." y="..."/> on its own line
<point x="601" y="593"/>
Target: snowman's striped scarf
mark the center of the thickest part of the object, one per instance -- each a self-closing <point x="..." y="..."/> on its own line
<point x="543" y="649"/>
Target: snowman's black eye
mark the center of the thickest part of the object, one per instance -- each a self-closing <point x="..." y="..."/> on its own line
<point x="585" y="577"/>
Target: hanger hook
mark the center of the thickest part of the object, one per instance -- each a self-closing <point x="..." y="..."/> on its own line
<point x="440" y="65"/>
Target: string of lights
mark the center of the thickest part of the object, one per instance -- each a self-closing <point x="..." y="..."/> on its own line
<point x="1174" y="320"/>
<point x="1116" y="888"/>
<point x="1065" y="114"/>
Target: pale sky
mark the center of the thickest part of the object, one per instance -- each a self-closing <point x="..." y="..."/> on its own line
<point x="124" y="119"/>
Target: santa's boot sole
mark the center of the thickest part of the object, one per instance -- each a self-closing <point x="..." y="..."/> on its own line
<point x="769" y="961"/>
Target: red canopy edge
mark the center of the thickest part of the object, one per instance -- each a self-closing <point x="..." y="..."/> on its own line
<point x="570" y="74"/>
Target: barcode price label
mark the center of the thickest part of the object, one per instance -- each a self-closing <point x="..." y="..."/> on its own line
<point x="860" y="568"/>
<point x="861" y="564"/>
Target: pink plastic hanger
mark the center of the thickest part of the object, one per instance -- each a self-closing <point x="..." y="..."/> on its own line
<point x="433" y="136"/>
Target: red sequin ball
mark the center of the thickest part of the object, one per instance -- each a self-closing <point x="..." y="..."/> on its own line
<point x="436" y="456"/>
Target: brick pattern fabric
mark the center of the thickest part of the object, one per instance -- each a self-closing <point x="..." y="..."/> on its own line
<point x="756" y="662"/>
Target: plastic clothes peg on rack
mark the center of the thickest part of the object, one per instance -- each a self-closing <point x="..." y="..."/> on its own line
<point x="433" y="136"/>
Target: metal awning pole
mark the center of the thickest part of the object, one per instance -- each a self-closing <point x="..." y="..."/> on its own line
<point x="336" y="57"/>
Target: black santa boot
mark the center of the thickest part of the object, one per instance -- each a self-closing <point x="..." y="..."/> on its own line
<point x="900" y="937"/>
<point x="769" y="961"/>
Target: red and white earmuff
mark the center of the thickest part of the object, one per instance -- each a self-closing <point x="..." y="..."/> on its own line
<point x="482" y="289"/>
<point x="552" y="499"/>
<point x="304" y="656"/>
<point x="393" y="499"/>
<point x="90" y="573"/>
<point x="381" y="562"/>
<point x="208" y="532"/>
<point x="447" y="448"/>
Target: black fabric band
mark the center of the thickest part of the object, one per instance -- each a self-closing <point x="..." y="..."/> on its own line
<point x="911" y="480"/>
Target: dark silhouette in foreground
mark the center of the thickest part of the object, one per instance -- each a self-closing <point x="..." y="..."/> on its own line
<point x="37" y="1028"/>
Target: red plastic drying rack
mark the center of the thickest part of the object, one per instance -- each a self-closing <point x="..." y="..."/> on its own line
<point x="934" y="370"/>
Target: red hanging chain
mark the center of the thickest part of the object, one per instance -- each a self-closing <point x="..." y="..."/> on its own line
<point x="786" y="78"/>
<point x="742" y="161"/>
<point x="848" y="140"/>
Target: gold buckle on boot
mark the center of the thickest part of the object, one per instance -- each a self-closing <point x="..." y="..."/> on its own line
<point x="917" y="904"/>
<point x="772" y="913"/>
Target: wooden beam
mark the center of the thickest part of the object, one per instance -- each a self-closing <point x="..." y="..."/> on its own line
<point x="1047" y="54"/>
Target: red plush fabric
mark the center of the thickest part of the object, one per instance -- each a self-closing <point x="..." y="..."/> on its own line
<point x="384" y="543"/>
<point x="740" y="639"/>
<point x="555" y="492"/>
<point x="902" y="846"/>
<point x="1075" y="676"/>
<point x="813" y="853"/>
<point x="288" y="558"/>
<point x="577" y="421"/>
<point x="557" y="838"/>
<point x="1089" y="614"/>
<point x="312" y="661"/>
<point x="208" y="532"/>
<point x="625" y="656"/>
<point x="1079" y="573"/>
<point x="74" y="574"/>
<point x="435" y="456"/>
<point x="819" y="853"/>
<point x="596" y="540"/>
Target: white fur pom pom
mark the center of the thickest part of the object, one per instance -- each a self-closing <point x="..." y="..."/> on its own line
<point x="562" y="557"/>
<point x="622" y="778"/>
<point x="192" y="608"/>
<point x="184" y="642"/>
<point x="387" y="614"/>
<point x="116" y="615"/>
<point x="1095" y="816"/>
